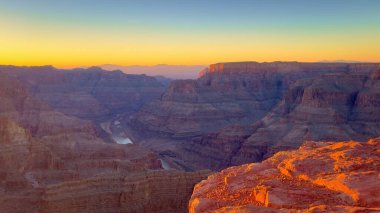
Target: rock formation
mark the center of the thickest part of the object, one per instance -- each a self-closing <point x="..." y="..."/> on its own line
<point x="87" y="93"/>
<point x="318" y="177"/>
<point x="152" y="191"/>
<point x="229" y="115"/>
<point x="85" y="176"/>
<point x="54" y="160"/>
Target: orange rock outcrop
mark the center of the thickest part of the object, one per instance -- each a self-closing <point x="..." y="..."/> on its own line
<point x="318" y="177"/>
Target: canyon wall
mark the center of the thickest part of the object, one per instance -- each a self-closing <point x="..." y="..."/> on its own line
<point x="37" y="176"/>
<point x="238" y="93"/>
<point x="151" y="191"/>
<point x="318" y="177"/>
<point x="87" y="93"/>
<point x="246" y="111"/>
<point x="53" y="159"/>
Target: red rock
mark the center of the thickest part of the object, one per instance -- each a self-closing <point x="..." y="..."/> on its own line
<point x="320" y="176"/>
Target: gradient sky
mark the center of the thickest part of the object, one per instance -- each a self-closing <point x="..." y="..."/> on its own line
<point x="67" y="33"/>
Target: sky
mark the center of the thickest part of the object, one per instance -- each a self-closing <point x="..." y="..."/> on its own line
<point x="68" y="33"/>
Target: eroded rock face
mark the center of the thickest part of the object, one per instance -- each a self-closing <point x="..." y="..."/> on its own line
<point x="29" y="165"/>
<point x="152" y="191"/>
<point x="53" y="161"/>
<point x="212" y="102"/>
<point x="242" y="112"/>
<point x="336" y="107"/>
<point x="318" y="177"/>
<point x="85" y="176"/>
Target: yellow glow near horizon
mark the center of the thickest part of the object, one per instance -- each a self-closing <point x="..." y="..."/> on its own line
<point x="40" y="42"/>
<point x="67" y="49"/>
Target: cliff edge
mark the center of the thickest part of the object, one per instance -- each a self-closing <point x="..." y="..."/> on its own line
<point x="318" y="177"/>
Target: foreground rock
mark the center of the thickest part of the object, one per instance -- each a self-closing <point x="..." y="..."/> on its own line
<point x="319" y="177"/>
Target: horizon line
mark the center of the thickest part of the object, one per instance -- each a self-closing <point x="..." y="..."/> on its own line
<point x="191" y="65"/>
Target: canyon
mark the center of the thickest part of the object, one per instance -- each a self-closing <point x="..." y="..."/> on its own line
<point x="228" y="116"/>
<point x="91" y="93"/>
<point x="91" y="140"/>
<point x="55" y="157"/>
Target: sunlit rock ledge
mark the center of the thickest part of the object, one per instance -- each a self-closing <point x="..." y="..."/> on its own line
<point x="318" y="177"/>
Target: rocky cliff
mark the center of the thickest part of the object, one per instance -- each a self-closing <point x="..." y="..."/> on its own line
<point x="152" y="191"/>
<point x="339" y="106"/>
<point x="318" y="177"/>
<point x="242" y="112"/>
<point x="53" y="161"/>
<point x="85" y="176"/>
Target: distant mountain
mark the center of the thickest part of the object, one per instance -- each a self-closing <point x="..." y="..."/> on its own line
<point x="88" y="93"/>
<point x="168" y="71"/>
<point x="164" y="80"/>
<point x="341" y="61"/>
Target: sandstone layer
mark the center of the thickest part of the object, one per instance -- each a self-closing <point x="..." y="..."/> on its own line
<point x="318" y="177"/>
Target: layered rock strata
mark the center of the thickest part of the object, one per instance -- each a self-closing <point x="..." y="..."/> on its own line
<point x="90" y="93"/>
<point x="152" y="191"/>
<point x="230" y="93"/>
<point x="246" y="111"/>
<point x="318" y="177"/>
<point x="53" y="161"/>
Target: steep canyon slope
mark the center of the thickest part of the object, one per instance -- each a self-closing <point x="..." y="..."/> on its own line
<point x="56" y="158"/>
<point x="246" y="111"/>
